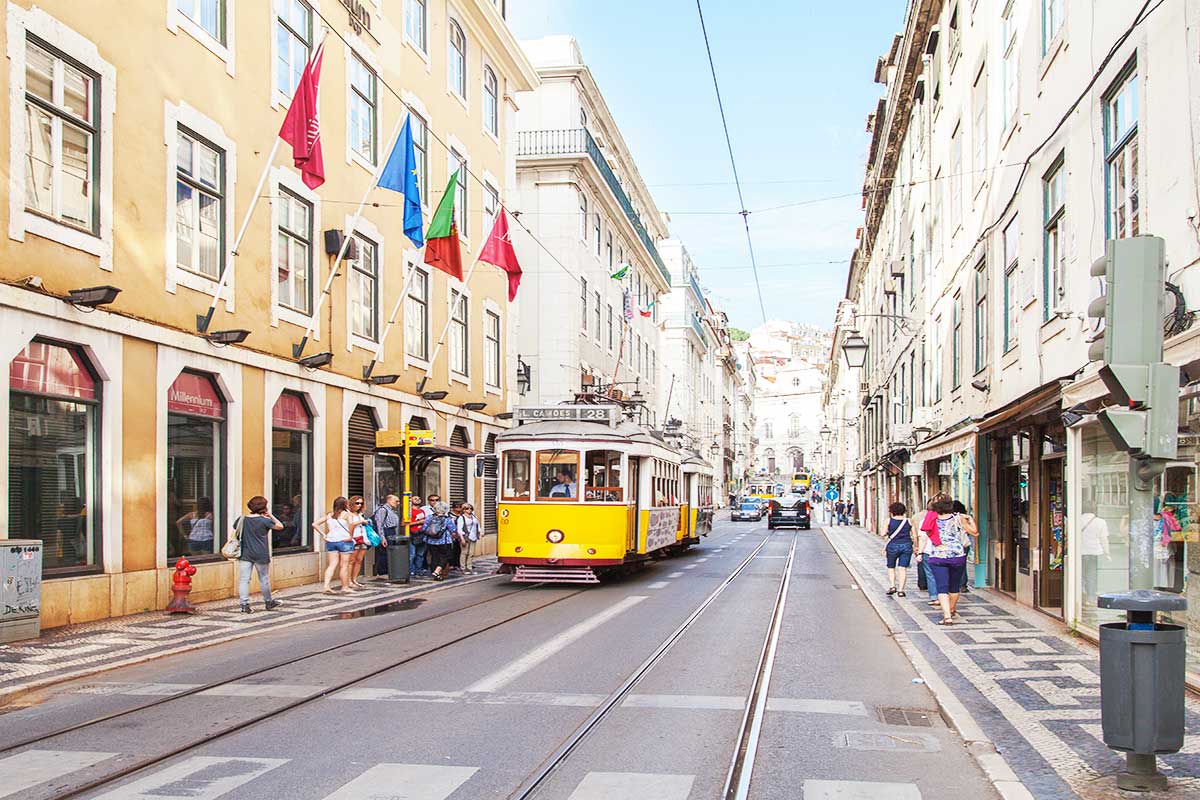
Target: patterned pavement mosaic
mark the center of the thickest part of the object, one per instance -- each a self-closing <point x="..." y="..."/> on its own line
<point x="75" y="651"/>
<point x="1031" y="687"/>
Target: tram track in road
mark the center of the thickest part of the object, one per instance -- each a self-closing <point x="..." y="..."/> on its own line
<point x="156" y="759"/>
<point x="755" y="705"/>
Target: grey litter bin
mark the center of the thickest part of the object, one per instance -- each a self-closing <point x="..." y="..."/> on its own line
<point x="398" y="560"/>
<point x="1142" y="666"/>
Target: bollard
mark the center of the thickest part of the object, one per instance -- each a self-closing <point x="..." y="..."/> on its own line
<point x="181" y="587"/>
<point x="1142" y="664"/>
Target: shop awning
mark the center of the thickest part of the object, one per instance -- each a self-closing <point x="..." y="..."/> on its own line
<point x="947" y="443"/>
<point x="426" y="454"/>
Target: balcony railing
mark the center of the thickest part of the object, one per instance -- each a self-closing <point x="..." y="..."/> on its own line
<point x="696" y="288"/>
<point x="698" y="327"/>
<point x="578" y="141"/>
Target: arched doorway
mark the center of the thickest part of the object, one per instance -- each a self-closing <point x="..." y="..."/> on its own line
<point x="458" y="467"/>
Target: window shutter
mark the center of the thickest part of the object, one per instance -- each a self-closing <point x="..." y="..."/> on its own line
<point x="360" y="443"/>
<point x="491" y="480"/>
<point x="458" y="468"/>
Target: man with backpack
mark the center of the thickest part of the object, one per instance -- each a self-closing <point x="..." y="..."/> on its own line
<point x="387" y="523"/>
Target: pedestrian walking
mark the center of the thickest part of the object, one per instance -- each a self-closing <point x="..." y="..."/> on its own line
<point x="386" y="520"/>
<point x="254" y="531"/>
<point x="961" y="510"/>
<point x="456" y="545"/>
<point x="440" y="531"/>
<point x="468" y="534"/>
<point x="337" y="527"/>
<point x="416" y="542"/>
<point x="361" y="546"/>
<point x="899" y="548"/>
<point x="949" y="557"/>
<point x="839" y="512"/>
<point x="925" y="545"/>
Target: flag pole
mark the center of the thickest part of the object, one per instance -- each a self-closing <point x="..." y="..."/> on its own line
<point x="462" y="298"/>
<point x="369" y="368"/>
<point x="205" y="319"/>
<point x="298" y="349"/>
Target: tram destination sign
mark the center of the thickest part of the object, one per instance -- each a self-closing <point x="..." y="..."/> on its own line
<point x="608" y="415"/>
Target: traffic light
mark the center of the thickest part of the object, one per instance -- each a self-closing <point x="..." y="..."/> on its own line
<point x="1131" y="348"/>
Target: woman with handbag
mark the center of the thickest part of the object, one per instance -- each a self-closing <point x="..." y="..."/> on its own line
<point x="899" y="548"/>
<point x="337" y="527"/>
<point x="253" y="533"/>
<point x="440" y="531"/>
<point x="949" y="557"/>
<point x="361" y="545"/>
<point x="468" y="534"/>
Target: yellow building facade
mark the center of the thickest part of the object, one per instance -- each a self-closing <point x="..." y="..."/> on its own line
<point x="134" y="150"/>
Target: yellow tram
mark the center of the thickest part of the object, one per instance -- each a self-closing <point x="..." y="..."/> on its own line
<point x="583" y="490"/>
<point x="698" y="491"/>
<point x="764" y="488"/>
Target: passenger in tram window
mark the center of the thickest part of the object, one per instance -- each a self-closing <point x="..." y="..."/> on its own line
<point x="564" y="485"/>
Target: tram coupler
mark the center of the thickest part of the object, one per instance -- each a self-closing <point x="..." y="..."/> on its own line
<point x="181" y="587"/>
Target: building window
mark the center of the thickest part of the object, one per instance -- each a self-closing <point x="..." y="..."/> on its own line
<point x="459" y="163"/>
<point x="364" y="92"/>
<point x="608" y="246"/>
<point x="1054" y="204"/>
<point x="491" y="102"/>
<point x="293" y="271"/>
<point x="956" y="343"/>
<point x="491" y="343"/>
<point x="195" y="467"/>
<point x="1010" y="285"/>
<point x="293" y="43"/>
<point x="491" y="206"/>
<point x="596" y="316"/>
<point x="54" y="456"/>
<point x="956" y="179"/>
<point x="583" y="217"/>
<point x="1053" y="13"/>
<point x="291" y="473"/>
<point x="457" y="60"/>
<point x="954" y="36"/>
<point x="583" y="304"/>
<point x="364" y="289"/>
<point x="1009" y="43"/>
<point x="794" y="426"/>
<point x="416" y="315"/>
<point x="208" y="14"/>
<point x="939" y="361"/>
<point x="415" y="15"/>
<point x="768" y="430"/>
<point x="61" y="105"/>
<point x="596" y="230"/>
<point x="199" y="205"/>
<point x="1121" y="157"/>
<point x="981" y="316"/>
<point x="420" y="134"/>
<point x="458" y="332"/>
<point x="979" y="128"/>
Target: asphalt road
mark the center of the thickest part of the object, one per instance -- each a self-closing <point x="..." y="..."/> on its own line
<point x="486" y="680"/>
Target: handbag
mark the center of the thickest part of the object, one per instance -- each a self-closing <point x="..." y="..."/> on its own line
<point x="372" y="536"/>
<point x="232" y="549"/>
<point x="922" y="580"/>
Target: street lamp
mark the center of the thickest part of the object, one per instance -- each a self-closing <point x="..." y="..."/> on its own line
<point x="826" y="434"/>
<point x="854" y="347"/>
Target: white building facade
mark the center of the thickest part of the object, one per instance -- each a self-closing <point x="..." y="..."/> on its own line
<point x="1006" y="149"/>
<point x="579" y="192"/>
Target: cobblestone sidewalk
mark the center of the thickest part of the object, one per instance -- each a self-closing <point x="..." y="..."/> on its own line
<point x="1032" y="689"/>
<point x="77" y="650"/>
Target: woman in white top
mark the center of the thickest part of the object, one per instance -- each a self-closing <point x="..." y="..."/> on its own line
<point x="338" y="529"/>
<point x="468" y="534"/>
<point x="356" y="506"/>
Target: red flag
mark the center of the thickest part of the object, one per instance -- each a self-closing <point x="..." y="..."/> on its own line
<point x="302" y="126"/>
<point x="498" y="250"/>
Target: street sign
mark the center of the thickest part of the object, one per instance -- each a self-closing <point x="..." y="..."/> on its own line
<point x="831" y="494"/>
<point x="419" y="438"/>
<point x="604" y="414"/>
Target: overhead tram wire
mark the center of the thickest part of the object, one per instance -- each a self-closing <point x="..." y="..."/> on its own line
<point x="762" y="307"/>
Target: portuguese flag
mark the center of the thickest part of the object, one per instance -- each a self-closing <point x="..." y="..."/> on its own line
<point x="441" y="240"/>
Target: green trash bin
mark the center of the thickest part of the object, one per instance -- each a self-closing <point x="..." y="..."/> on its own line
<point x="398" y="559"/>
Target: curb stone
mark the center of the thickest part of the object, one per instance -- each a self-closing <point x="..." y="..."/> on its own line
<point x="980" y="746"/>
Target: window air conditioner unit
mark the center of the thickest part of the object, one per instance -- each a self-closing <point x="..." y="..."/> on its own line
<point x="897" y="267"/>
<point x="889" y="286"/>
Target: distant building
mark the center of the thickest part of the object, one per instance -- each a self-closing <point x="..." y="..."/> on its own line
<point x="789" y="362"/>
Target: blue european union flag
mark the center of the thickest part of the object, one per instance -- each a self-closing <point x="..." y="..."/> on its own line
<point x="400" y="175"/>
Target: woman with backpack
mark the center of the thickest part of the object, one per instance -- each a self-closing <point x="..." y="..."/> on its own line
<point x="899" y="548"/>
<point x="440" y="532"/>
<point x="338" y="528"/>
<point x="468" y="534"/>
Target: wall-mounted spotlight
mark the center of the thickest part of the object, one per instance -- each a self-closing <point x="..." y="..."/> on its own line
<point x="439" y="395"/>
<point x="316" y="361"/>
<point x="474" y="406"/>
<point x="92" y="296"/>
<point x="382" y="380"/>
<point x="234" y="336"/>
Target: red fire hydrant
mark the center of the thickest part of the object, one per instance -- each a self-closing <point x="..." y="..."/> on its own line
<point x="181" y="586"/>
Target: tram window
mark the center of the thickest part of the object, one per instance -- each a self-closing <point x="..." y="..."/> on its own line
<point x="516" y="475"/>
<point x="557" y="470"/>
<point x="603" y="476"/>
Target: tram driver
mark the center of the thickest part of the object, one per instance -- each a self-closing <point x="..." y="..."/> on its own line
<point x="564" y="485"/>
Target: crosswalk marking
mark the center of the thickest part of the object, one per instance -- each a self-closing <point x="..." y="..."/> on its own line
<point x="709" y="702"/>
<point x="153" y="689"/>
<point x="31" y="767"/>
<point x="676" y="574"/>
<point x="410" y="695"/>
<point x="802" y="706"/>
<point x="405" y="782"/>
<point x="196" y="778"/>
<point x="633" y="786"/>
<point x="659" y="585"/>
<point x="507" y="674"/>
<point x="860" y="790"/>
<point x="691" y="566"/>
<point x="286" y="690"/>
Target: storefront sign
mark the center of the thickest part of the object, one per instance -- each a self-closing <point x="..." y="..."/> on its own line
<point x="605" y="414"/>
<point x="290" y="413"/>
<point x="664" y="523"/>
<point x="195" y="394"/>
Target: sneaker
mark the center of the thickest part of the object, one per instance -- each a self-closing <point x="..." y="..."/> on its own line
<point x="271" y="605"/>
<point x="246" y="609"/>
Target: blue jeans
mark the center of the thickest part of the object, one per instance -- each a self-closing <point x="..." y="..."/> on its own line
<point x="416" y="556"/>
<point x="245" y="568"/>
<point x="929" y="580"/>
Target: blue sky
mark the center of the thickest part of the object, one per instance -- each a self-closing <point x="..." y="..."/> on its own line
<point x="796" y="78"/>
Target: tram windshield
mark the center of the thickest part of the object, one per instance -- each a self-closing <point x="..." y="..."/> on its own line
<point x="516" y="475"/>
<point x="603" y="476"/>
<point x="557" y="470"/>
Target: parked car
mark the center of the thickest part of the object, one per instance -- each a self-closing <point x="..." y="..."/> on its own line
<point x="789" y="511"/>
<point x="747" y="510"/>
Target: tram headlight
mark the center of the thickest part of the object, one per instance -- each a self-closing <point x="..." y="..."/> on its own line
<point x="554" y="536"/>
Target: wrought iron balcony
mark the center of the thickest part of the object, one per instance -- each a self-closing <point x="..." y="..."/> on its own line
<point x="579" y="141"/>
